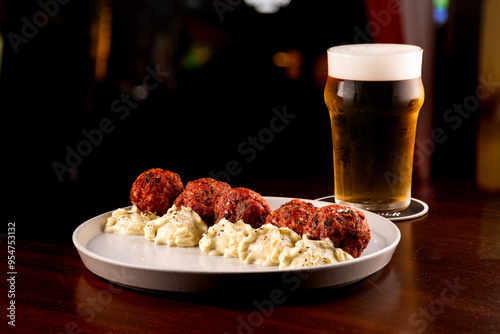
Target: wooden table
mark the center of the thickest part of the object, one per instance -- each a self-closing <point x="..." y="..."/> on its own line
<point x="443" y="277"/>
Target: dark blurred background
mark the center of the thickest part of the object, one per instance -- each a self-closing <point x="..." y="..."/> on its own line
<point x="95" y="92"/>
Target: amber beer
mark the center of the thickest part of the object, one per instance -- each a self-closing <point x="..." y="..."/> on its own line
<point x="374" y="93"/>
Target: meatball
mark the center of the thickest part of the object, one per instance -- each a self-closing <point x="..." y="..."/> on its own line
<point x="155" y="190"/>
<point x="242" y="204"/>
<point x="201" y="195"/>
<point x="295" y="214"/>
<point x="346" y="227"/>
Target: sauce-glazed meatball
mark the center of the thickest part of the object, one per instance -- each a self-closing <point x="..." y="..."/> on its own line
<point x="242" y="204"/>
<point x="295" y="214"/>
<point x="155" y="190"/>
<point x="201" y="195"/>
<point x="346" y="227"/>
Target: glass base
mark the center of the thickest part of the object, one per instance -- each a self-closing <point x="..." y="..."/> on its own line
<point x="385" y="207"/>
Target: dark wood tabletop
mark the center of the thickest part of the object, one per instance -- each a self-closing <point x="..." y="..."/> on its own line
<point x="444" y="277"/>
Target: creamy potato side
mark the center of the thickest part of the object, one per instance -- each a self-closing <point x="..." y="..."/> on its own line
<point x="128" y="222"/>
<point x="269" y="246"/>
<point x="181" y="228"/>
<point x="264" y="244"/>
<point x="224" y="238"/>
<point x="308" y="253"/>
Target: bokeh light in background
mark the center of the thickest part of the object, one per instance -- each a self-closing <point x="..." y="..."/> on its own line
<point x="291" y="61"/>
<point x="101" y="32"/>
<point x="440" y="11"/>
<point x="197" y="56"/>
<point x="267" y="6"/>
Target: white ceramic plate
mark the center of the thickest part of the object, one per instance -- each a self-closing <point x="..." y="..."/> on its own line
<point x="135" y="262"/>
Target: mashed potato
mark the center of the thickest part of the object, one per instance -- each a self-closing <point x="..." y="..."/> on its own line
<point x="265" y="244"/>
<point x="268" y="245"/>
<point x="128" y="222"/>
<point x="308" y="253"/>
<point x="182" y="228"/>
<point x="224" y="238"/>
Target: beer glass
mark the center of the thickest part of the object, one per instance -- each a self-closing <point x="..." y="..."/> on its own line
<point x="374" y="93"/>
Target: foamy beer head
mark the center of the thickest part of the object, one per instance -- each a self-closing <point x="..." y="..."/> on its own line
<point x="374" y="93"/>
<point x="375" y="62"/>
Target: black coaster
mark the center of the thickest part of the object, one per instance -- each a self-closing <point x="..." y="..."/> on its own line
<point x="416" y="209"/>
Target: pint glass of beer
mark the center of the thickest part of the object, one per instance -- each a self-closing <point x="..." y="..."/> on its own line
<point x="374" y="93"/>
